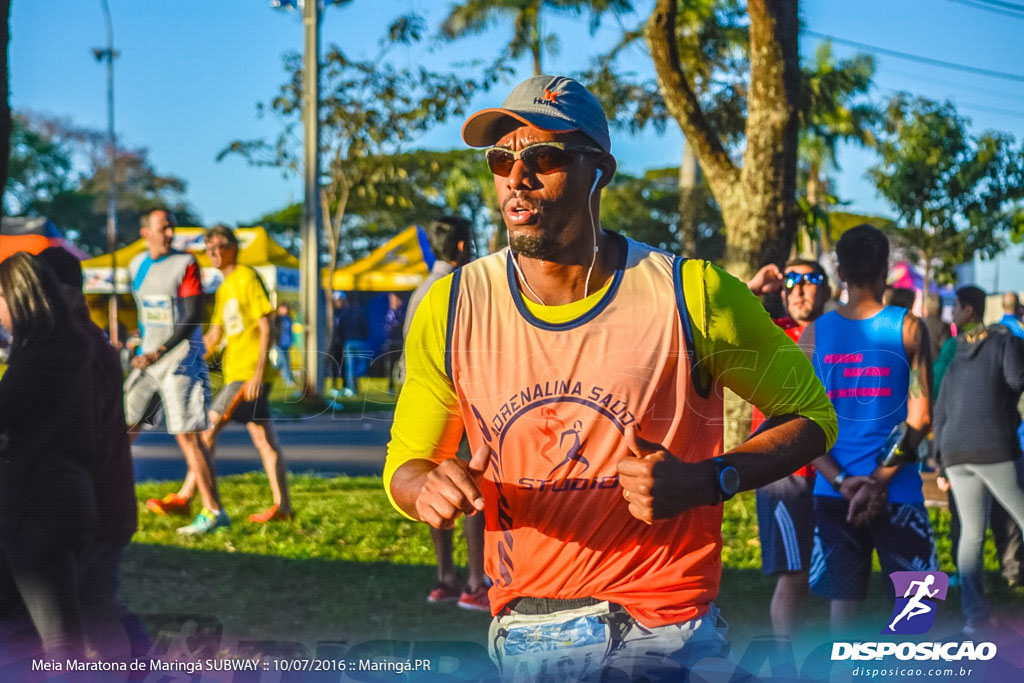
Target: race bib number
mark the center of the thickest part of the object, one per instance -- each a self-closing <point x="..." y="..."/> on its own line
<point x="157" y="310"/>
<point x="232" y="314"/>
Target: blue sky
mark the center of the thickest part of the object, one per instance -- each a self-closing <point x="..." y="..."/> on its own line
<point x="191" y="72"/>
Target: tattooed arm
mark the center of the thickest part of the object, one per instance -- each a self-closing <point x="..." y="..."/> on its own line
<point x="919" y="395"/>
<point x="919" y="398"/>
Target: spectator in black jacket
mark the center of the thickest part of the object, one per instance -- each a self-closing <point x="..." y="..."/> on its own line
<point x="99" y="567"/>
<point x="975" y="428"/>
<point x="47" y="503"/>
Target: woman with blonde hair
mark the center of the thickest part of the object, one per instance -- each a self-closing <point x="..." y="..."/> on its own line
<point x="47" y="505"/>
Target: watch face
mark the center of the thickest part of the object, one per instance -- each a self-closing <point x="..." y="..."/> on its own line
<point x="729" y="480"/>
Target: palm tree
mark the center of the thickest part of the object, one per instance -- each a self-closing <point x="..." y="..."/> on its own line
<point x="830" y="114"/>
<point x="476" y="16"/>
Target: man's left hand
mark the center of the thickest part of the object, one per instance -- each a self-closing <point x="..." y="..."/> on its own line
<point x="251" y="389"/>
<point x="658" y="485"/>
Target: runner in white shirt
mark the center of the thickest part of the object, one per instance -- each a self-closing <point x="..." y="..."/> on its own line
<point x="170" y="370"/>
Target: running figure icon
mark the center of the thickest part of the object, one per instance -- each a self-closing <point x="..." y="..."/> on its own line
<point x="575" y="452"/>
<point x="915" y="607"/>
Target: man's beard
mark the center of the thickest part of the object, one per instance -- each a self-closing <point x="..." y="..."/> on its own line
<point x="541" y="247"/>
<point x="536" y="246"/>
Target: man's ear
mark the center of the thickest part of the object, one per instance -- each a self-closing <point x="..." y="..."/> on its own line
<point x="607" y="165"/>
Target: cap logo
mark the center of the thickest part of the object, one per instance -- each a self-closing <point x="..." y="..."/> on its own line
<point x="550" y="98"/>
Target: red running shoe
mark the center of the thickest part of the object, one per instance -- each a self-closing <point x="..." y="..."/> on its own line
<point x="271" y="514"/>
<point x="444" y="593"/>
<point x="171" y="504"/>
<point x="476" y="601"/>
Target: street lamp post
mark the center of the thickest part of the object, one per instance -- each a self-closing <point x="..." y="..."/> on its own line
<point x="312" y="301"/>
<point x="108" y="54"/>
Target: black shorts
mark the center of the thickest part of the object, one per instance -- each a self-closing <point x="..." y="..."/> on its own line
<point x="785" y="522"/>
<point x="841" y="561"/>
<point x="245" y="411"/>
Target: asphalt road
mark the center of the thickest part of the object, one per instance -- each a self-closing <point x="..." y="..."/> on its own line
<point x="326" y="444"/>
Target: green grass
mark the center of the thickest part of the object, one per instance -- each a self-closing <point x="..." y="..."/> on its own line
<point x="349" y="567"/>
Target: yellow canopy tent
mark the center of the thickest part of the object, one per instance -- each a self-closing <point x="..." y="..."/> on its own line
<point x="256" y="248"/>
<point x="399" y="264"/>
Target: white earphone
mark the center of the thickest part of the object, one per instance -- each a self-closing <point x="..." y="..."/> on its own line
<point x="598" y="173"/>
<point x="590" y="211"/>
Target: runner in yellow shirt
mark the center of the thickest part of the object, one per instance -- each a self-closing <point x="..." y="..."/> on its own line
<point x="242" y="320"/>
<point x="586" y="370"/>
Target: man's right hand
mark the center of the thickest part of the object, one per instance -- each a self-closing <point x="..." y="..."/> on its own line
<point x="453" y="488"/>
<point x="145" y="360"/>
<point x="768" y="280"/>
<point x="867" y="499"/>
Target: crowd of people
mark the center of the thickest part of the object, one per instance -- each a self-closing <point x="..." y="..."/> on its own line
<point x="563" y="395"/>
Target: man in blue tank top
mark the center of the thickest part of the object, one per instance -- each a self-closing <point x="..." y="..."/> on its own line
<point x="875" y="363"/>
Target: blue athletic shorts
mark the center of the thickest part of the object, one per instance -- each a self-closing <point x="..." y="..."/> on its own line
<point x="785" y="522"/>
<point x="841" y="560"/>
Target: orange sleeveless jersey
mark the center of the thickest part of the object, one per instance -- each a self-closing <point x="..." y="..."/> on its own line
<point x="552" y="401"/>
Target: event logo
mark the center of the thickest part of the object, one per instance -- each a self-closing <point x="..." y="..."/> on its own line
<point x="914" y="612"/>
<point x="566" y="443"/>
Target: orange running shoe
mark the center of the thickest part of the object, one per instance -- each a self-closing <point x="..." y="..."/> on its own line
<point x="271" y="514"/>
<point x="171" y="504"/>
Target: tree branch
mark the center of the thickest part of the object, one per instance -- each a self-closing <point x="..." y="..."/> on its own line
<point x="680" y="98"/>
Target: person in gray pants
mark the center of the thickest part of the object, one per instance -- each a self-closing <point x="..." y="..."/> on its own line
<point x="975" y="426"/>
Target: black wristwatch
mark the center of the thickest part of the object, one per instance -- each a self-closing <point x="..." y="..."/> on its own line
<point x="728" y="479"/>
<point x="837" y="483"/>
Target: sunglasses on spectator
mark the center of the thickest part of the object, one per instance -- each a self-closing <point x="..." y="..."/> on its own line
<point x="792" y="279"/>
<point x="540" y="158"/>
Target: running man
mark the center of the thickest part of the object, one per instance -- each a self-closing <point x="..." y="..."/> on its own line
<point x="170" y="370"/>
<point x="242" y="318"/>
<point x="915" y="607"/>
<point x="616" y="568"/>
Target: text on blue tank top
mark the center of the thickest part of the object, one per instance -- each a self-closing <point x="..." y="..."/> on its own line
<point x="865" y="370"/>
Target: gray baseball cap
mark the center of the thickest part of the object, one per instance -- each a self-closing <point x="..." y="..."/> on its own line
<point x="553" y="103"/>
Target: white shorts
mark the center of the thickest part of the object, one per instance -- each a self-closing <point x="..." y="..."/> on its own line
<point x="180" y="382"/>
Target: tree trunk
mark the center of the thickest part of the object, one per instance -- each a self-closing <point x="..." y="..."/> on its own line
<point x="689" y="176"/>
<point x="807" y="249"/>
<point x="536" y="43"/>
<point x="343" y="188"/>
<point x="5" y="106"/>
<point x="814" y="188"/>
<point x="757" y="201"/>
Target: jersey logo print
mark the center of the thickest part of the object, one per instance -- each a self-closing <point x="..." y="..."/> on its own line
<point x="572" y="436"/>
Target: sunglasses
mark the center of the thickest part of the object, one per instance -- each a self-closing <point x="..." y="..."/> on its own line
<point x="542" y="157"/>
<point x="792" y="279"/>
